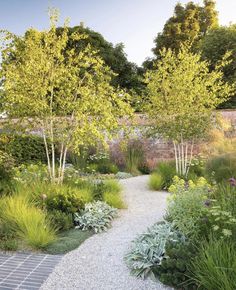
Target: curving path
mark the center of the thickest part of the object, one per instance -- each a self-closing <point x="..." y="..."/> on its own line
<point x="98" y="263"/>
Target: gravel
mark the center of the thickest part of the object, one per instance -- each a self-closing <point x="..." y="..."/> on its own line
<point x="98" y="263"/>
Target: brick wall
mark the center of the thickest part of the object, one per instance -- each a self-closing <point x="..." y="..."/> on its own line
<point x="157" y="149"/>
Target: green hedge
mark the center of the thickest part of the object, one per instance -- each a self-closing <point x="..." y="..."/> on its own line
<point x="23" y="148"/>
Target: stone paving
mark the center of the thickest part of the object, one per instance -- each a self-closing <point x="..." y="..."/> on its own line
<point x="25" y="271"/>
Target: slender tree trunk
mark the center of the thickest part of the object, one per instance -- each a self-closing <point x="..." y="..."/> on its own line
<point x="63" y="164"/>
<point x="47" y="154"/>
<point x="60" y="162"/>
<point x="176" y="158"/>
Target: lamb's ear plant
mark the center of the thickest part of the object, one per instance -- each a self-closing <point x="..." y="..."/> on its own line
<point x="96" y="216"/>
<point x="148" y="250"/>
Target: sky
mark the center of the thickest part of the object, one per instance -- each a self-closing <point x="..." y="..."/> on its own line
<point x="133" y="22"/>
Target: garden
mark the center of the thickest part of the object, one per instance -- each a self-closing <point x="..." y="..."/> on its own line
<point x="69" y="135"/>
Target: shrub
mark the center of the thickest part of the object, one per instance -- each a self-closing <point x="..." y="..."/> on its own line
<point x="24" y="148"/>
<point x="186" y="207"/>
<point x="174" y="269"/>
<point x="148" y="250"/>
<point x="155" y="181"/>
<point x="67" y="199"/>
<point x="107" y="167"/>
<point x="26" y="221"/>
<point x="6" y="172"/>
<point x="215" y="265"/>
<point x="167" y="172"/>
<point x="61" y="220"/>
<point x="96" y="216"/>
<point x="221" y="168"/>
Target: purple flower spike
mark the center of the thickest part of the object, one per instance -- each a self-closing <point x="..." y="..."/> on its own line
<point x="232" y="181"/>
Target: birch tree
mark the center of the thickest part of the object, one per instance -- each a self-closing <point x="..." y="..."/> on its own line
<point x="182" y="93"/>
<point x="64" y="95"/>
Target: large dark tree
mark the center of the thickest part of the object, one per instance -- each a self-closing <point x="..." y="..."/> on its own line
<point x="214" y="46"/>
<point x="188" y="24"/>
<point x="128" y="73"/>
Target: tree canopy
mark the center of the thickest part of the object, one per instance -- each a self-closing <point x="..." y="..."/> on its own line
<point x="65" y="95"/>
<point x="127" y="74"/>
<point x="213" y="47"/>
<point x="181" y="94"/>
<point x="188" y="24"/>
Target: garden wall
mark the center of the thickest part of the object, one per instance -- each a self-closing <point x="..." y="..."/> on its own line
<point x="157" y="149"/>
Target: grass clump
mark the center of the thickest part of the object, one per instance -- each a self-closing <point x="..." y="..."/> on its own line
<point x="155" y="181"/>
<point x="112" y="194"/>
<point x="215" y="266"/>
<point x="27" y="222"/>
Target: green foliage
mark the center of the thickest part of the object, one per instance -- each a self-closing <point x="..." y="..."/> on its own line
<point x="6" y="172"/>
<point x="8" y="244"/>
<point x="61" y="220"/>
<point x="134" y="157"/>
<point x="174" y="268"/>
<point x="167" y="172"/>
<point x="215" y="266"/>
<point x="31" y="173"/>
<point x="114" y="199"/>
<point x="26" y="221"/>
<point x="96" y="216"/>
<point x="112" y="186"/>
<point x="66" y="94"/>
<point x="190" y="23"/>
<point x="213" y="47"/>
<point x="182" y="92"/>
<point x="221" y="168"/>
<point x="155" y="181"/>
<point x="112" y="194"/>
<point x="24" y="148"/>
<point x="225" y="195"/>
<point x="222" y="222"/>
<point x="68" y="200"/>
<point x="186" y="207"/>
<point x="67" y="241"/>
<point x="127" y="73"/>
<point x="148" y="249"/>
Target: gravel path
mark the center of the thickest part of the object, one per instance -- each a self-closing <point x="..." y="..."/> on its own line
<point x="98" y="263"/>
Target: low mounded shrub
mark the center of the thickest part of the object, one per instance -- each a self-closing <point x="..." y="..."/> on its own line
<point x="68" y="200"/>
<point x="155" y="181"/>
<point x="96" y="216"/>
<point x="61" y="220"/>
<point x="174" y="269"/>
<point x="215" y="265"/>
